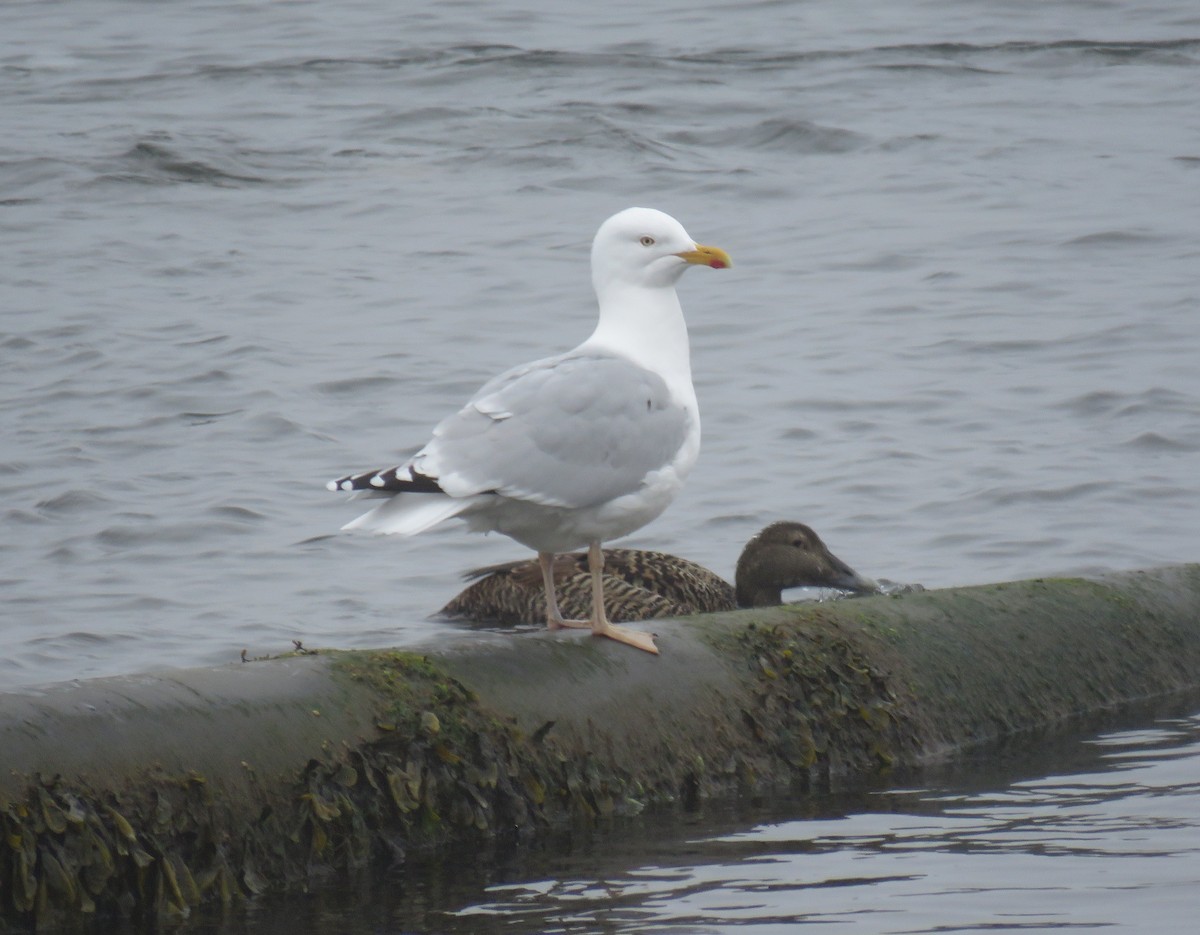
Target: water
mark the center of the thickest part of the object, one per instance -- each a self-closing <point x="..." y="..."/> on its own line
<point x="249" y="247"/>
<point x="1093" y="833"/>
<point x="1111" y="842"/>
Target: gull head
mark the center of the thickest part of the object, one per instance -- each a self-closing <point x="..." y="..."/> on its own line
<point x="646" y="248"/>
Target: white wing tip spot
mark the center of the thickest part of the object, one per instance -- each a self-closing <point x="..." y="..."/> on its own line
<point x="332" y="485"/>
<point x="377" y="480"/>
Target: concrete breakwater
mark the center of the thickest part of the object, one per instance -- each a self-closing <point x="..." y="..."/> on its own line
<point x="148" y="795"/>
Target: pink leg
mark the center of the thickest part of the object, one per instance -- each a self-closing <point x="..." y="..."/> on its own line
<point x="600" y="624"/>
<point x="554" y="618"/>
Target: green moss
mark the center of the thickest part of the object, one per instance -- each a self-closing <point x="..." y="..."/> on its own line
<point x="410" y="688"/>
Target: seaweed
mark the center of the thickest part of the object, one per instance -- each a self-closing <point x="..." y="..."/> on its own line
<point x="825" y="704"/>
<point x="409" y="757"/>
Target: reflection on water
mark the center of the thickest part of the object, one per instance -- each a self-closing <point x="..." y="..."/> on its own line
<point x="1085" y="833"/>
<point x="1115" y="845"/>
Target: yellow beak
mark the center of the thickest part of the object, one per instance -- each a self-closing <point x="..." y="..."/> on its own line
<point x="707" y="256"/>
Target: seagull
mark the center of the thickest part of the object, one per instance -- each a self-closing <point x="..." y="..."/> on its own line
<point x="643" y="585"/>
<point x="572" y="450"/>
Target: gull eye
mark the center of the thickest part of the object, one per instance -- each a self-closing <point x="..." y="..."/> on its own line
<point x="647" y="241"/>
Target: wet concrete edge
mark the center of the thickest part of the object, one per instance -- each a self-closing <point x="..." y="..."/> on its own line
<point x="145" y="796"/>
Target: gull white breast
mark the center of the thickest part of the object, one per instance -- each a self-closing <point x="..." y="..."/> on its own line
<point x="575" y="449"/>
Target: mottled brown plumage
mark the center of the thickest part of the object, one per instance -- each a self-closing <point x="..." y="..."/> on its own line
<point x="641" y="585"/>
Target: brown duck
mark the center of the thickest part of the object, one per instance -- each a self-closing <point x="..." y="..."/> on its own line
<point x="640" y="585"/>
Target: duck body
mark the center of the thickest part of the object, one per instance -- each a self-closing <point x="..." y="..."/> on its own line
<point x="638" y="585"/>
<point x="646" y="585"/>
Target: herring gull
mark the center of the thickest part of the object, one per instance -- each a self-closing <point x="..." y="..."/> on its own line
<point x="571" y="450"/>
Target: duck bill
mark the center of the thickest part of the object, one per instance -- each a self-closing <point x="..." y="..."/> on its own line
<point x="848" y="579"/>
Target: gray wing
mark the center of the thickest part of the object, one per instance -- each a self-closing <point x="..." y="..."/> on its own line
<point x="570" y="431"/>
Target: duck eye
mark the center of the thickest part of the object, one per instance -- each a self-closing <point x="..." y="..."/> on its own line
<point x="647" y="241"/>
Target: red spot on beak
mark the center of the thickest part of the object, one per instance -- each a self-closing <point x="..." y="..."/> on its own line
<point x="716" y="264"/>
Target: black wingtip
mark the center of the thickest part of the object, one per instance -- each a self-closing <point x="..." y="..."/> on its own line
<point x="391" y="480"/>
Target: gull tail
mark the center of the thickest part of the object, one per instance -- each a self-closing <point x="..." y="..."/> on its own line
<point x="409" y="514"/>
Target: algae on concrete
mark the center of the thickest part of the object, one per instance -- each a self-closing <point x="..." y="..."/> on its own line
<point x="146" y="796"/>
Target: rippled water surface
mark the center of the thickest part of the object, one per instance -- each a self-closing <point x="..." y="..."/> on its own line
<point x="248" y="247"/>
